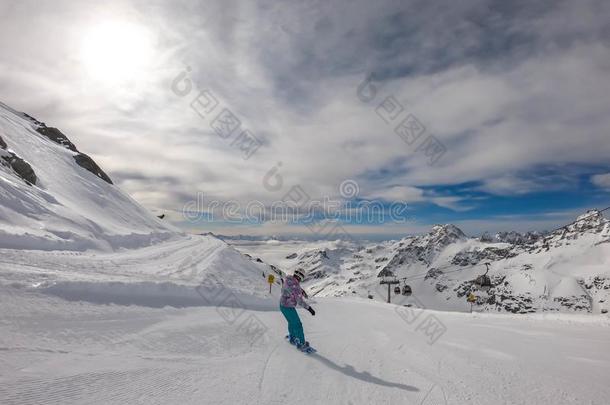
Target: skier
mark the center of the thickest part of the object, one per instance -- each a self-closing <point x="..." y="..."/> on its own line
<point x="293" y="295"/>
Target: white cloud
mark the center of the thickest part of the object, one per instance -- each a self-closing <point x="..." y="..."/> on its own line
<point x="601" y="180"/>
<point x="398" y="194"/>
<point x="452" y="203"/>
<point x="290" y="72"/>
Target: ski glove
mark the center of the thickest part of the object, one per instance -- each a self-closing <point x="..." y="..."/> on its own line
<point x="311" y="311"/>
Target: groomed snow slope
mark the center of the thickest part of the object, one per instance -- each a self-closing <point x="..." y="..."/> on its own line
<point x="54" y="351"/>
<point x="191" y="322"/>
<point x="69" y="208"/>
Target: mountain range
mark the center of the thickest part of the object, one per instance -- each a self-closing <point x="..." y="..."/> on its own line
<point x="53" y="197"/>
<point x="564" y="270"/>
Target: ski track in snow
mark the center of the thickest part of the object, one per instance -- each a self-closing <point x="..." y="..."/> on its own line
<point x="96" y="328"/>
<point x="103" y="303"/>
<point x="54" y="351"/>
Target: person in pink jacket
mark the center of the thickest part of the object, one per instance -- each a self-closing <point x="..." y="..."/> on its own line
<point x="293" y="295"/>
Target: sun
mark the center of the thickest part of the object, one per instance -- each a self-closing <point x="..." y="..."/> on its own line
<point x="116" y="51"/>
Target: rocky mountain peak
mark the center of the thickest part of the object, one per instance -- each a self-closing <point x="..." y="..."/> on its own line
<point x="592" y="220"/>
<point x="445" y="234"/>
<point x="516" y="238"/>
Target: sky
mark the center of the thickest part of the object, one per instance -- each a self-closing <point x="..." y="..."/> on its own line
<point x="492" y="115"/>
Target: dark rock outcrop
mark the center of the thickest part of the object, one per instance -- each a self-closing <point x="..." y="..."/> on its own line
<point x="20" y="166"/>
<point x="516" y="238"/>
<point x="433" y="273"/>
<point x="56" y="136"/>
<point x="23" y="169"/>
<point x="89" y="164"/>
<point x="486" y="237"/>
<point x="34" y="120"/>
<point x="385" y="273"/>
<point x="476" y="256"/>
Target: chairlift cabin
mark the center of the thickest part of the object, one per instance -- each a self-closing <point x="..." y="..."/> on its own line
<point x="406" y="290"/>
<point x="397" y="290"/>
<point x="483" y="281"/>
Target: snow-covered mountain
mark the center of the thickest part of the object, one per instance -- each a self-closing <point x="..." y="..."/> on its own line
<point x="513" y="237"/>
<point x="54" y="197"/>
<point x="103" y="303"/>
<point x="565" y="270"/>
<point x="66" y="229"/>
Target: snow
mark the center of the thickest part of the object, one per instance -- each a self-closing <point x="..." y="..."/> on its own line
<point x="175" y="268"/>
<point x="190" y="321"/>
<point x="130" y="327"/>
<point x="54" y="351"/>
<point x="276" y="253"/>
<point x="532" y="278"/>
<point x="102" y="303"/>
<point x="69" y="208"/>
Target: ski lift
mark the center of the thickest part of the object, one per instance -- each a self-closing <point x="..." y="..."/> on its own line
<point x="390" y="279"/>
<point x="483" y="281"/>
<point x="406" y="290"/>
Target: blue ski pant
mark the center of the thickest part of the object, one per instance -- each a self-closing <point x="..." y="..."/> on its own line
<point x="295" y="327"/>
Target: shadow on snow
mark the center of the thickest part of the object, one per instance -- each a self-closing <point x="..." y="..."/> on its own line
<point x="350" y="371"/>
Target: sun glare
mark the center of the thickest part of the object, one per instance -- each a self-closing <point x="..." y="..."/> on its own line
<point x="115" y="52"/>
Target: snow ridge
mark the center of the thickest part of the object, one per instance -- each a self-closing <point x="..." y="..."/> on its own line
<point x="70" y="203"/>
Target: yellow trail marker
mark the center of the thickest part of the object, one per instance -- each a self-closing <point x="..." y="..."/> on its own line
<point x="471" y="299"/>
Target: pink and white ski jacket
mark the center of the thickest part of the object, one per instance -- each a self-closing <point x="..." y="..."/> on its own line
<point x="292" y="293"/>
